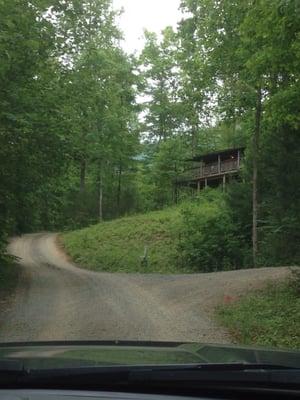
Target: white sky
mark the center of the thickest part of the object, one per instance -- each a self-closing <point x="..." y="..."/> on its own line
<point x="153" y="15"/>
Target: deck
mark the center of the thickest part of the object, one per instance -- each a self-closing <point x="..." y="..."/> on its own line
<point x="211" y="170"/>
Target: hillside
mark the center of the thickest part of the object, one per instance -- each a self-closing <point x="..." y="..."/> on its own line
<point x="196" y="236"/>
<point x="119" y="245"/>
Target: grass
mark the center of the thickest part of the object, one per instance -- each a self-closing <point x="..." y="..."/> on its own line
<point x="269" y="317"/>
<point x="119" y="245"/>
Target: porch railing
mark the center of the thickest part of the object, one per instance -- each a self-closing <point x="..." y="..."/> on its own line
<point x="211" y="169"/>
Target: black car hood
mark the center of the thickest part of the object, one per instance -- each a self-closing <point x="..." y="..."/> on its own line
<point x="77" y="354"/>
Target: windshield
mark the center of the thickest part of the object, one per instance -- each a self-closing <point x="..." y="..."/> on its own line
<point x="150" y="181"/>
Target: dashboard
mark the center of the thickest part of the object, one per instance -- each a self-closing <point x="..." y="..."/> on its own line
<point x="82" y="395"/>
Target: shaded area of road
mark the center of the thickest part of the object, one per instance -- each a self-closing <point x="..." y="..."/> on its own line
<point x="55" y="300"/>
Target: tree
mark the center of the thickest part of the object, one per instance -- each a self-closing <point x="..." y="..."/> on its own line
<point x="100" y="107"/>
<point x="29" y="113"/>
<point x="159" y="73"/>
<point x="67" y="100"/>
<point x="247" y="54"/>
<point x="226" y="55"/>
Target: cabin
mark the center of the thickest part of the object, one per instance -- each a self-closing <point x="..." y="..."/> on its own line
<point x="212" y="169"/>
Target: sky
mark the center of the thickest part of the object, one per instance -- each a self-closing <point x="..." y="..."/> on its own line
<point x="153" y="15"/>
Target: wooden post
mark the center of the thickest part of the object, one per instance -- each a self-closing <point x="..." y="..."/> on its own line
<point x="206" y="183"/>
<point x="201" y="169"/>
<point x="239" y="159"/>
<point x="224" y="182"/>
<point x="219" y="163"/>
<point x="198" y="187"/>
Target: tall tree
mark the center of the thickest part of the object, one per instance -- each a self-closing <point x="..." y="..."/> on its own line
<point x="226" y="55"/>
<point x="248" y="52"/>
<point x="31" y="134"/>
<point x="160" y="76"/>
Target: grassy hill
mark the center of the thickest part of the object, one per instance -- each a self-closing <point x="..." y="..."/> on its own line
<point x="119" y="245"/>
<point x="197" y="236"/>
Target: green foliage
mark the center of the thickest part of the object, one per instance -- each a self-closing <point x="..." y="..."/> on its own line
<point x="209" y="240"/>
<point x="70" y="128"/>
<point x="142" y="243"/>
<point x="280" y="205"/>
<point x="239" y="203"/>
<point x="194" y="237"/>
<point x="257" y="47"/>
<point x="9" y="275"/>
<point x="67" y="99"/>
<point x="32" y="147"/>
<point x="269" y="317"/>
<point x="167" y="165"/>
<point x="159" y="85"/>
<point x="295" y="280"/>
<point x="197" y="236"/>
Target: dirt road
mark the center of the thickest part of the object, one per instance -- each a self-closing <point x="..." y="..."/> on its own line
<point x="57" y="301"/>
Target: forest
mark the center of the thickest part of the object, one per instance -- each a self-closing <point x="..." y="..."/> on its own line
<point x="89" y="133"/>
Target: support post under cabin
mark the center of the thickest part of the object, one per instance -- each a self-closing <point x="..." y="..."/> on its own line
<point x="206" y="183"/>
<point x="219" y="163"/>
<point x="201" y="169"/>
<point x="224" y="182"/>
<point x="239" y="159"/>
<point x="198" y="187"/>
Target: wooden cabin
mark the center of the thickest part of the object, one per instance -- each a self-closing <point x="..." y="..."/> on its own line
<point x="212" y="169"/>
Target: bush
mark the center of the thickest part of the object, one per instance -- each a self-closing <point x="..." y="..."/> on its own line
<point x="208" y="239"/>
<point x="295" y="281"/>
<point x="279" y="242"/>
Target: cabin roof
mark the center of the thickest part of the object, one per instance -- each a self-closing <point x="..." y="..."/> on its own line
<point x="209" y="157"/>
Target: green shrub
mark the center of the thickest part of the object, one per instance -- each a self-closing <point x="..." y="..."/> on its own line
<point x="208" y="239"/>
<point x="279" y="242"/>
<point x="295" y="281"/>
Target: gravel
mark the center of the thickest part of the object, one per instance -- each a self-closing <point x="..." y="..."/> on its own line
<point x="55" y="300"/>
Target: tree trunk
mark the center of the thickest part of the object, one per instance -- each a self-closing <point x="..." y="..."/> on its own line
<point x="100" y="182"/>
<point x="194" y="140"/>
<point x="119" y="189"/>
<point x="256" y="137"/>
<point x="175" y="185"/>
<point x="82" y="175"/>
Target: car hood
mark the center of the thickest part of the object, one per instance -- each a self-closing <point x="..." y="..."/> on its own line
<point x="77" y="354"/>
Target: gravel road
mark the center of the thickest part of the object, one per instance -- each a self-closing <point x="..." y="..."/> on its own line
<point x="55" y="300"/>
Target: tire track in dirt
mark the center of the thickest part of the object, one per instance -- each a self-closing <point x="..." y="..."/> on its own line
<point x="55" y="300"/>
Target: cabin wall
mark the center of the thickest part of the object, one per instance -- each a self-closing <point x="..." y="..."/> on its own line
<point x="216" y="170"/>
